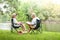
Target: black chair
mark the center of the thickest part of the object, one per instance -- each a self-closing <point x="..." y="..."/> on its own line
<point x="14" y="26"/>
<point x="38" y="26"/>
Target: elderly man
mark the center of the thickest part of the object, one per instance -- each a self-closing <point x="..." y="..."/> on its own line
<point x="32" y="24"/>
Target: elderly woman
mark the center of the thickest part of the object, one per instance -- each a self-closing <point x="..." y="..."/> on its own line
<point x="18" y="23"/>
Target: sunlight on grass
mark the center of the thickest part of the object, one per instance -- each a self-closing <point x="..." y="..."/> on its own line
<point x="7" y="35"/>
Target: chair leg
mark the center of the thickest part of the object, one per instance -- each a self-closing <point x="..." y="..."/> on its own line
<point x="16" y="29"/>
<point x="11" y="29"/>
<point x="39" y="30"/>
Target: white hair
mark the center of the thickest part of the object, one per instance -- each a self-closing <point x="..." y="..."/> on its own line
<point x="14" y="14"/>
<point x="33" y="14"/>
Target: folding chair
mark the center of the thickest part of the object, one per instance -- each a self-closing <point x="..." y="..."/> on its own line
<point x="38" y="26"/>
<point x="14" y="26"/>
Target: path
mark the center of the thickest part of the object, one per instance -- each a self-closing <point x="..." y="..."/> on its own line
<point x="5" y="26"/>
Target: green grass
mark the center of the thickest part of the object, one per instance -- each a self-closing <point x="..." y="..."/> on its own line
<point x="7" y="35"/>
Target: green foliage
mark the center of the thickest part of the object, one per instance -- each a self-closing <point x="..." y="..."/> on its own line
<point x="22" y="8"/>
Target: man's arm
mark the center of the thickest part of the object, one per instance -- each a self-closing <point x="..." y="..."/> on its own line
<point x="29" y="23"/>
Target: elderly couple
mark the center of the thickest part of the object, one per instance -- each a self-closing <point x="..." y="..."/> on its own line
<point x="31" y="24"/>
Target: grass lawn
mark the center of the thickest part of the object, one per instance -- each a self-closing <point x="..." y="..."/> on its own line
<point x="7" y="35"/>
